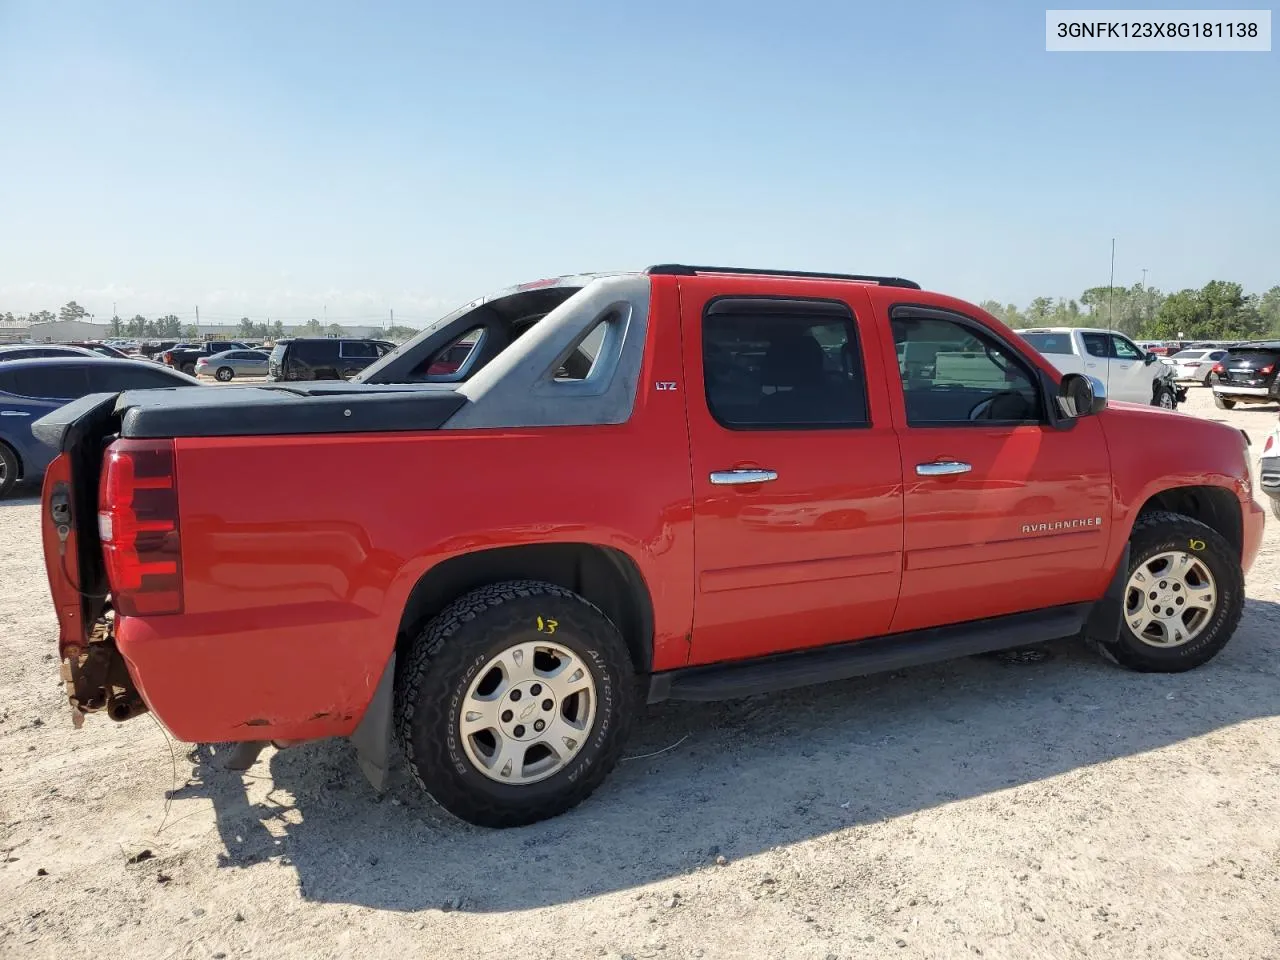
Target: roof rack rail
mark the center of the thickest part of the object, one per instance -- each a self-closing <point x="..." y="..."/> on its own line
<point x="682" y="270"/>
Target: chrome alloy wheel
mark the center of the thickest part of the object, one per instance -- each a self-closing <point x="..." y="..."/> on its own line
<point x="527" y="713"/>
<point x="1170" y="599"/>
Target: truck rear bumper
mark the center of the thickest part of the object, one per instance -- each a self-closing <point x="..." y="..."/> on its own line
<point x="301" y="672"/>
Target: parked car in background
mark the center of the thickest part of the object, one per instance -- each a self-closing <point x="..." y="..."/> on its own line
<point x="35" y="351"/>
<point x="184" y="358"/>
<point x="1269" y="474"/>
<point x="324" y="358"/>
<point x="104" y="349"/>
<point x="233" y="363"/>
<point x="1153" y="346"/>
<point x="31" y="388"/>
<point x="1248" y="374"/>
<point x="152" y="348"/>
<point x="1196" y="366"/>
<point x="1127" y="372"/>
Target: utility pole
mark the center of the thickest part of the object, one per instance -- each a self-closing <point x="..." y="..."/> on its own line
<point x="1111" y="286"/>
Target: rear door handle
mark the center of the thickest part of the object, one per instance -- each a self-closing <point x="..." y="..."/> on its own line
<point x="942" y="468"/>
<point x="728" y="478"/>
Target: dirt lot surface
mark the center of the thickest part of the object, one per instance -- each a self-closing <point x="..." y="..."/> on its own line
<point x="1057" y="809"/>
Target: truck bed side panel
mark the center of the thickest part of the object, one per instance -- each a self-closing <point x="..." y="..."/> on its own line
<point x="299" y="552"/>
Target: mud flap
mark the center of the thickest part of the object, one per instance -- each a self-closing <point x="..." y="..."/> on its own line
<point x="372" y="738"/>
<point x="1103" y="624"/>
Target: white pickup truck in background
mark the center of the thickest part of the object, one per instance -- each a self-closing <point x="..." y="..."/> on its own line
<point x="1128" y="372"/>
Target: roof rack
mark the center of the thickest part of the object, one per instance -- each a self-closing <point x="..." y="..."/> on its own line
<point x="681" y="270"/>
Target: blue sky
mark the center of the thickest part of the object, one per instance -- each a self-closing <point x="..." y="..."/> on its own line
<point x="273" y="158"/>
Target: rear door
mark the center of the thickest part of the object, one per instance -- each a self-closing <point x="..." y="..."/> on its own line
<point x="1003" y="513"/>
<point x="796" y="476"/>
<point x="355" y="355"/>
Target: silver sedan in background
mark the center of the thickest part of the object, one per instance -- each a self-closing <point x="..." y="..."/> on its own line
<point x="229" y="364"/>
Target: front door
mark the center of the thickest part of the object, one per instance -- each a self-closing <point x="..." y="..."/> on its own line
<point x="1003" y="513"/>
<point x="796" y="472"/>
<point x="1131" y="376"/>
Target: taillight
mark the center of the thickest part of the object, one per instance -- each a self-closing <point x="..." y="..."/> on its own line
<point x="139" y="529"/>
<point x="1269" y="444"/>
<point x="168" y="357"/>
<point x="1219" y="369"/>
<point x="1267" y="369"/>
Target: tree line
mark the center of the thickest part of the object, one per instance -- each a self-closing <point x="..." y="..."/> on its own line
<point x="1220" y="310"/>
<point x="170" y="326"/>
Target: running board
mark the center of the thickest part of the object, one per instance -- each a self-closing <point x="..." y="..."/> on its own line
<point x="745" y="678"/>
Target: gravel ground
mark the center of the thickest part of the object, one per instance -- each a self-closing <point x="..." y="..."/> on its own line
<point x="1056" y="809"/>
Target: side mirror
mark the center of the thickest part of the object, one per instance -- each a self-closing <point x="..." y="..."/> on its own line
<point x="1081" y="396"/>
<point x="1150" y="358"/>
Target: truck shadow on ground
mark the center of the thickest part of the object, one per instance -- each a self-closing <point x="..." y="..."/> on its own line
<point x="751" y="775"/>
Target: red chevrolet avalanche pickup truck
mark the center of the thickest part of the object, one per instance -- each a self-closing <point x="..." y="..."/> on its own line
<point x="582" y="493"/>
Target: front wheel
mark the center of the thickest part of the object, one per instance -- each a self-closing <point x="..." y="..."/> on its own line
<point x="1223" y="403"/>
<point x="514" y="702"/>
<point x="1166" y="399"/>
<point x="224" y="374"/>
<point x="1182" y="598"/>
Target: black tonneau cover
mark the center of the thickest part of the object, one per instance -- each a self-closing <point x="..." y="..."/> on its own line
<point x="275" y="410"/>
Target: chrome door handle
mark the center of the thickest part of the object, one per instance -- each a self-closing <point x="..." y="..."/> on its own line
<point x="728" y="478"/>
<point x="942" y="468"/>
<point x="13" y="413"/>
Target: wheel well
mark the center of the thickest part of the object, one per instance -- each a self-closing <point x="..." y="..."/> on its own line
<point x="606" y="577"/>
<point x="1215" y="507"/>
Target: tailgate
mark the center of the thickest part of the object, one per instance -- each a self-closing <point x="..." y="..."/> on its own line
<point x="73" y="562"/>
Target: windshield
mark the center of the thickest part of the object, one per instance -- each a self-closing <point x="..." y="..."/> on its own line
<point x="1050" y="342"/>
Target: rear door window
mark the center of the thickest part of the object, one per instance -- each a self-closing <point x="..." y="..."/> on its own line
<point x="358" y="350"/>
<point x="1097" y="344"/>
<point x="62" y="382"/>
<point x="768" y="367"/>
<point x="316" y="353"/>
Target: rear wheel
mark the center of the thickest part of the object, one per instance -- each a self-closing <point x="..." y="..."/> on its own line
<point x="1210" y="379"/>
<point x="189" y="369"/>
<point x="224" y="374"/>
<point x="1275" y="507"/>
<point x="1222" y="403"/>
<point x="1183" y="595"/>
<point x="514" y="702"/>
<point x="8" y="469"/>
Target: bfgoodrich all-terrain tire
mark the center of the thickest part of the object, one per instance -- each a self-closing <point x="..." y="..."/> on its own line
<point x="1183" y="595"/>
<point x="513" y="703"/>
